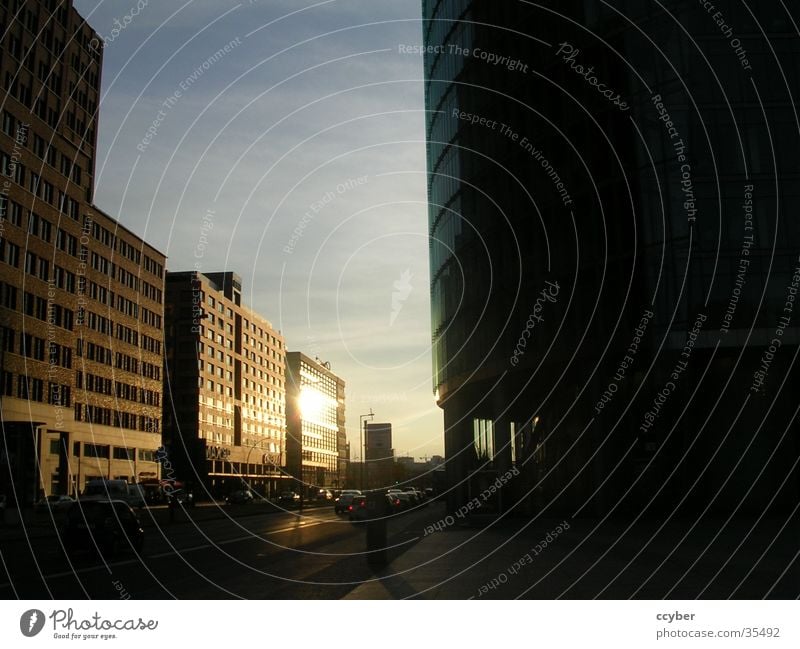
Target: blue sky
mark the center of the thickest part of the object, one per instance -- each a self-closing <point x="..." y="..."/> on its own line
<point x="304" y="144"/>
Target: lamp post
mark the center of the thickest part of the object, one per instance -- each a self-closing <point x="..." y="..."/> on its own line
<point x="363" y="438"/>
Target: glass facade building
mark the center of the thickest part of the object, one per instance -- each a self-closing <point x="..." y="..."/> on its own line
<point x="614" y="248"/>
<point x="315" y="424"/>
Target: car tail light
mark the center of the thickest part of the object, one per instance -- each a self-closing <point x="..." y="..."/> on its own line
<point x="349" y="508"/>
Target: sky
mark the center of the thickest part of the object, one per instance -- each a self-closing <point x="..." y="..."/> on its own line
<point x="284" y="140"/>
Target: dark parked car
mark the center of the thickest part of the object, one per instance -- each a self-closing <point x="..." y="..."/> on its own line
<point x="239" y="497"/>
<point x="182" y="498"/>
<point x="54" y="504"/>
<point x="402" y="500"/>
<point x="343" y="502"/>
<point x="289" y="499"/>
<point x="358" y="510"/>
<point x="107" y="526"/>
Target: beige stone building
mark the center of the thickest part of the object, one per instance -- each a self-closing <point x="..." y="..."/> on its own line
<point x="81" y="297"/>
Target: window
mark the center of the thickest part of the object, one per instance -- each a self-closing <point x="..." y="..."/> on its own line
<point x="95" y="450"/>
<point x="123" y="453"/>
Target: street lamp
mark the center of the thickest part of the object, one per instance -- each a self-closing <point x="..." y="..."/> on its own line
<point x="362" y="437"/>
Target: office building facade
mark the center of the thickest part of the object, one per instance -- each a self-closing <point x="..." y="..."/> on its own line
<point x="224" y="418"/>
<point x="82" y="296"/>
<point x="315" y="424"/>
<point x="379" y="454"/>
<point x="608" y="241"/>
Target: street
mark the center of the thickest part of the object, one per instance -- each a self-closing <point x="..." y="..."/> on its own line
<point x="279" y="555"/>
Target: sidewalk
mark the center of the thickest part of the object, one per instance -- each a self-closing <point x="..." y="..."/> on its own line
<point x="508" y="560"/>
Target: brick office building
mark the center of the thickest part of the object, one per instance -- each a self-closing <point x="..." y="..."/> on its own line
<point x="224" y="418"/>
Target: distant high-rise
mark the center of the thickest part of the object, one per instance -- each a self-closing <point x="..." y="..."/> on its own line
<point x="613" y="249"/>
<point x="81" y="297"/>
<point x="224" y="420"/>
<point x="315" y="423"/>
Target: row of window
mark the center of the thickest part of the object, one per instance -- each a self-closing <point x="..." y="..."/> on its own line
<point x="128" y="335"/>
<point x="131" y="252"/>
<point x="103" y="451"/>
<point x="11" y="167"/>
<point x="35" y="348"/>
<point x="32" y="389"/>
<point x="99" y="354"/>
<point x="109" y="417"/>
<point x="43" y="149"/>
<point x="125" y="277"/>
<point x="101" y="385"/>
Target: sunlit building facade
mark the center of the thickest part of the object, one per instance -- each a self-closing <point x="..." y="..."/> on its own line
<point x="81" y="296"/>
<point x="315" y="424"/>
<point x="225" y="424"/>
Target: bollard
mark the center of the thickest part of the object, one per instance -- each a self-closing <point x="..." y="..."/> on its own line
<point x="377" y="515"/>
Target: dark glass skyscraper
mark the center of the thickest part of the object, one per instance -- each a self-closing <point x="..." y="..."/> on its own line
<point x="614" y="252"/>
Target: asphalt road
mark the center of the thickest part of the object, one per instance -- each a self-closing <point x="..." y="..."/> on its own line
<point x="279" y="555"/>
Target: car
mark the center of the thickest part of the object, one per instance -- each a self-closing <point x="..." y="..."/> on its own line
<point x="104" y="526"/>
<point x="239" y="497"/>
<point x="54" y="503"/>
<point x="324" y="494"/>
<point x="289" y="499"/>
<point x="357" y="509"/>
<point x="417" y="497"/>
<point x="343" y="502"/>
<point x="183" y="498"/>
<point x="402" y="501"/>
